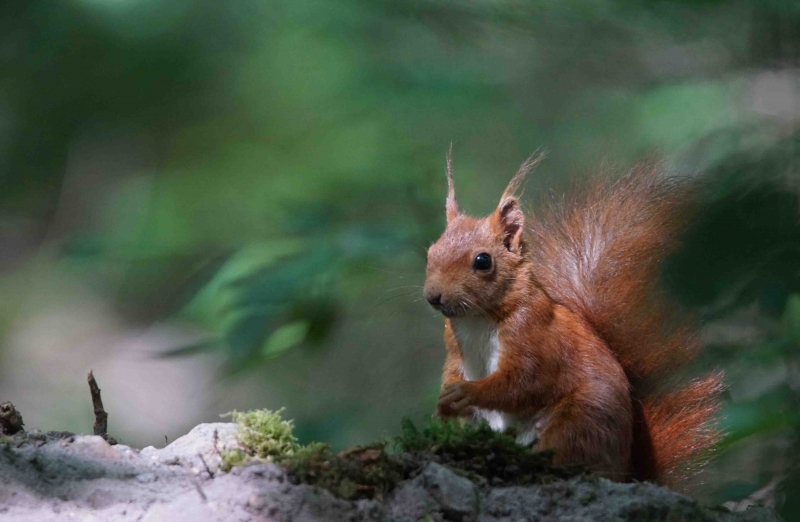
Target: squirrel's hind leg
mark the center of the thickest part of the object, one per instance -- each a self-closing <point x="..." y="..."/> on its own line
<point x="579" y="437"/>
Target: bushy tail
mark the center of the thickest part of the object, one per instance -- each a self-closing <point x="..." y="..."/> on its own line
<point x="599" y="253"/>
<point x="674" y="433"/>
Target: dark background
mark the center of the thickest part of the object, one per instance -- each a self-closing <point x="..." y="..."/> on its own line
<point x="226" y="205"/>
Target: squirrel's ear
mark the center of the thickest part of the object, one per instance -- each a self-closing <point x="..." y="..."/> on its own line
<point x="451" y="205"/>
<point x="511" y="222"/>
<point x="509" y="216"/>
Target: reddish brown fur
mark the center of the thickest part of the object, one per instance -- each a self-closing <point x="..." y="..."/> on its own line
<point x="588" y="341"/>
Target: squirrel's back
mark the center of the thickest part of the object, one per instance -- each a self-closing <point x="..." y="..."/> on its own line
<point x="599" y="253"/>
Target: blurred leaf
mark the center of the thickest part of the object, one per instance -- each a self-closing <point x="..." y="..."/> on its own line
<point x="677" y="114"/>
<point x="187" y="350"/>
<point x="285" y="337"/>
<point x="770" y="413"/>
<point x="791" y="319"/>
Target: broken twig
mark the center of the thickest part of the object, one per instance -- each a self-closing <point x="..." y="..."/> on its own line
<point x="100" y="415"/>
<point x="10" y="419"/>
<point x="208" y="470"/>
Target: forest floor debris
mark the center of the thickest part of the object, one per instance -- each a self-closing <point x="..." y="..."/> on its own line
<point x="441" y="472"/>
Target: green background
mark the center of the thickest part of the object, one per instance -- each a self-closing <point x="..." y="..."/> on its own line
<point x="224" y="205"/>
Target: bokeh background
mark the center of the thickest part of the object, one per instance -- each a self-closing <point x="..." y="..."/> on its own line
<point x="226" y="205"/>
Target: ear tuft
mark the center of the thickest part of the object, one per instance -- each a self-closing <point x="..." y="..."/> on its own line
<point x="512" y="222"/>
<point x="452" y="205"/>
<point x="528" y="165"/>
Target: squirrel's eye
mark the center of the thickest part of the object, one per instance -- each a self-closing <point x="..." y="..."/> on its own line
<point x="483" y="261"/>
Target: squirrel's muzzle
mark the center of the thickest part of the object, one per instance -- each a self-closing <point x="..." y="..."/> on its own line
<point x="434" y="298"/>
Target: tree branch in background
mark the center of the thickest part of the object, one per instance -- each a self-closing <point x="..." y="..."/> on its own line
<point x="10" y="419"/>
<point x="100" y="415"/>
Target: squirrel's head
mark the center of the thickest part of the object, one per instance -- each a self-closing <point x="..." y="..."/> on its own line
<point x="473" y="264"/>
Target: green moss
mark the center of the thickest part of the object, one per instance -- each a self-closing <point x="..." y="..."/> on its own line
<point x="362" y="472"/>
<point x="451" y="434"/>
<point x="473" y="450"/>
<point x="264" y="434"/>
<point x="264" y="437"/>
<point x="232" y="458"/>
<point x="482" y="454"/>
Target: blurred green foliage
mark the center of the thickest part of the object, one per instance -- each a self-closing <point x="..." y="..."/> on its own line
<point x="264" y="170"/>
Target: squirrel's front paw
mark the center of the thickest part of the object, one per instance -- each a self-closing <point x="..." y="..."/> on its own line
<point x="455" y="400"/>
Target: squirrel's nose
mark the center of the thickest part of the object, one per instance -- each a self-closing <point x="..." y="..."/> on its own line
<point x="435" y="299"/>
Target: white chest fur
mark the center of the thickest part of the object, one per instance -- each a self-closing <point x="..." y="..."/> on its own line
<point x="481" y="350"/>
<point x="480" y="346"/>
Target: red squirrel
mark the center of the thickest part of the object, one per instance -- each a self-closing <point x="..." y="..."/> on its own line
<point x="555" y="327"/>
